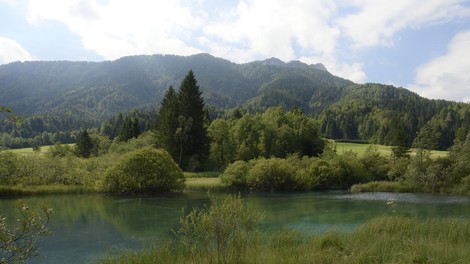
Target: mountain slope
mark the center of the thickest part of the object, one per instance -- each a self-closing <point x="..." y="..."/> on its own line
<point x="67" y="96"/>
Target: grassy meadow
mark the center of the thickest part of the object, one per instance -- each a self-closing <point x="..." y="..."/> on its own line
<point x="361" y="148"/>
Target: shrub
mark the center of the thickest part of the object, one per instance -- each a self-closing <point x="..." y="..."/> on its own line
<point x="144" y="171"/>
<point x="19" y="244"/>
<point x="228" y="228"/>
<point x="317" y="175"/>
<point x="271" y="175"/>
<point x="235" y="173"/>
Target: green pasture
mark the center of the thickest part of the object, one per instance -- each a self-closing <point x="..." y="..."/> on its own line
<point x="361" y="148"/>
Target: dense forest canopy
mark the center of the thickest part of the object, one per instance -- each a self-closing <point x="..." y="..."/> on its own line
<point x="59" y="99"/>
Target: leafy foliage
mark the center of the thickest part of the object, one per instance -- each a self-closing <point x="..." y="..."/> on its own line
<point x="273" y="133"/>
<point x="20" y="244"/>
<point x="61" y="99"/>
<point x="227" y="228"/>
<point x="144" y="171"/>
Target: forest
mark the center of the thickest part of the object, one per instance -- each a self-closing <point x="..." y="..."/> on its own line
<point x="57" y="100"/>
<point x="251" y="148"/>
<point x="272" y="150"/>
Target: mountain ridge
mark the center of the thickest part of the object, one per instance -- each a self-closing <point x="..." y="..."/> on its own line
<point x="75" y="95"/>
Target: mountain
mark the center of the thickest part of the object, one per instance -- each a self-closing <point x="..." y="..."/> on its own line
<point x="66" y="96"/>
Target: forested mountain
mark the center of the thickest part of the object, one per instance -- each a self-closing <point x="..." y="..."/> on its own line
<point x="58" y="97"/>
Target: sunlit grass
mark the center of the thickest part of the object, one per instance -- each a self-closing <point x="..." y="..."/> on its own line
<point x="361" y="148"/>
<point x="203" y="174"/>
<point x="42" y="149"/>
<point x="204" y="184"/>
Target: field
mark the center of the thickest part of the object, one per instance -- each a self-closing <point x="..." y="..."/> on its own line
<point x="360" y="149"/>
<point x="341" y="147"/>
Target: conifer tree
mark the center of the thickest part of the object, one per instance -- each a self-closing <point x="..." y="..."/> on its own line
<point x="84" y="145"/>
<point x="130" y="129"/>
<point x="168" y="124"/>
<point x="192" y="107"/>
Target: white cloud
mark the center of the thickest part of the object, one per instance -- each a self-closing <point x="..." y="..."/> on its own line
<point x="329" y="32"/>
<point x="377" y="22"/>
<point x="263" y="29"/>
<point x="286" y="29"/>
<point x="118" y="28"/>
<point x="11" y="50"/>
<point x="447" y="77"/>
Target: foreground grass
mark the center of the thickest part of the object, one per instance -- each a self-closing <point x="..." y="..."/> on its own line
<point x="392" y="239"/>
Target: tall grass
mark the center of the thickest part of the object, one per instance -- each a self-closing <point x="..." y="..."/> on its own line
<point x="44" y="190"/>
<point x="389" y="239"/>
<point x="383" y="186"/>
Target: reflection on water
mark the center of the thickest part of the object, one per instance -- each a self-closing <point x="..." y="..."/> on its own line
<point x="85" y="227"/>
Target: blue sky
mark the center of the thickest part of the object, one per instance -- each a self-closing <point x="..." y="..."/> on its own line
<point x="423" y="46"/>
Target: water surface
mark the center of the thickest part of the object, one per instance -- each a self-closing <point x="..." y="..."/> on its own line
<point x="86" y="227"/>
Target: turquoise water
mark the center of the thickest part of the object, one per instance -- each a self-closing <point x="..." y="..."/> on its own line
<point x="86" y="227"/>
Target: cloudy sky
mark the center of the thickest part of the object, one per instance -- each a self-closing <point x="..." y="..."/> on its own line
<point x="420" y="45"/>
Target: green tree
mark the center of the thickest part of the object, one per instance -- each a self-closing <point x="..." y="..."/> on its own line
<point x="144" y="171"/>
<point x="222" y="144"/>
<point x="168" y="123"/>
<point x="84" y="145"/>
<point x="192" y="106"/>
<point x="130" y="129"/>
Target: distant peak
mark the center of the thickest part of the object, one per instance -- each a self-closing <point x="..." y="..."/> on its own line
<point x="273" y="61"/>
<point x="319" y="66"/>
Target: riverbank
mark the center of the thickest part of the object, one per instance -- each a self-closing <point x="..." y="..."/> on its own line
<point x="402" y="187"/>
<point x="192" y="184"/>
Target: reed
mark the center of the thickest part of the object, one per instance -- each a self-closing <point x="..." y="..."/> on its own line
<point x="383" y="186"/>
<point x="44" y="190"/>
<point x="388" y="239"/>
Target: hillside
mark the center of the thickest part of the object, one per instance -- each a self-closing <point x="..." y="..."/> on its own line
<point x="67" y="96"/>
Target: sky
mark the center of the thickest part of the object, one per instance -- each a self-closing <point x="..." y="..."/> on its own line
<point x="423" y="46"/>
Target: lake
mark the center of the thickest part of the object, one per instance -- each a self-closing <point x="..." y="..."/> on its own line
<point x="86" y="227"/>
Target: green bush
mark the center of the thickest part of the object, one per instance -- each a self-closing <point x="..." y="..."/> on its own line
<point x="228" y="228"/>
<point x="316" y="175"/>
<point x="235" y="173"/>
<point x="144" y="171"/>
<point x="273" y="174"/>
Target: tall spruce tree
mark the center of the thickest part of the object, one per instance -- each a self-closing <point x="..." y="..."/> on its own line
<point x="168" y="123"/>
<point x="84" y="145"/>
<point x="192" y="107"/>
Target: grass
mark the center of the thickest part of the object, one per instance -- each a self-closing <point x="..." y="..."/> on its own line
<point x="204" y="174"/>
<point x="360" y="149"/>
<point x="43" y="149"/>
<point x="204" y="184"/>
<point x="390" y="239"/>
<point x="43" y="190"/>
<point x="383" y="186"/>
